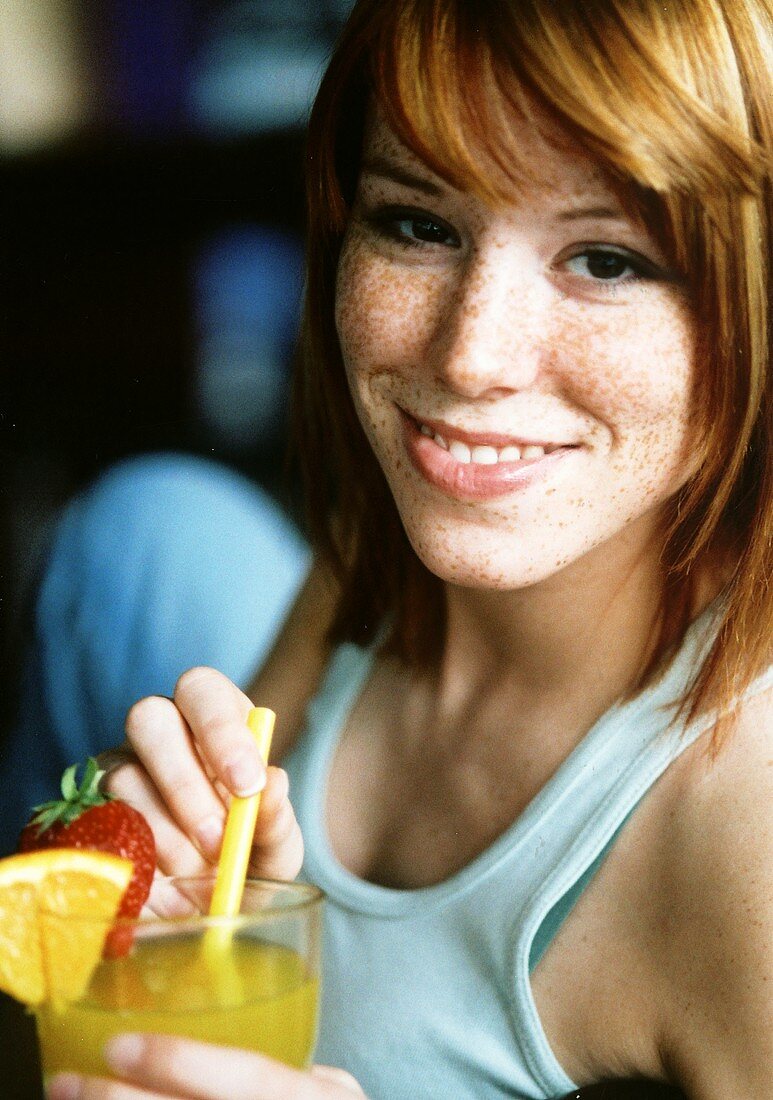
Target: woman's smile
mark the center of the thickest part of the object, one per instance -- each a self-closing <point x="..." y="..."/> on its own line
<point x="479" y="465"/>
<point x="523" y="372"/>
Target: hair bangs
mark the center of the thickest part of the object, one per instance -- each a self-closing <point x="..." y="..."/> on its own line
<point x="434" y="77"/>
<point x="633" y="82"/>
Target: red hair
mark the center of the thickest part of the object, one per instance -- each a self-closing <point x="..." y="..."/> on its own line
<point x="674" y="102"/>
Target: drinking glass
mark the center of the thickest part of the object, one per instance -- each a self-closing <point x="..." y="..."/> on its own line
<point x="250" y="981"/>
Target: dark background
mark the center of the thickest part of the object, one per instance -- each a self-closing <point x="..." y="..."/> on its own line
<point x="149" y="149"/>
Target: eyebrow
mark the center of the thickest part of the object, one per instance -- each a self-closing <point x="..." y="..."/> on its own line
<point x="597" y="213"/>
<point x="387" y="169"/>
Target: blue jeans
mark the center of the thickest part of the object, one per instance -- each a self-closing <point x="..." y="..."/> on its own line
<point x="165" y="562"/>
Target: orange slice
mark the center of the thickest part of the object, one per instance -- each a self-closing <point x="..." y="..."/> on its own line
<point x="45" y="955"/>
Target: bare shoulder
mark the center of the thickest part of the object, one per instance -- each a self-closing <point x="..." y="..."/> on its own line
<point x="716" y="933"/>
<point x="292" y="671"/>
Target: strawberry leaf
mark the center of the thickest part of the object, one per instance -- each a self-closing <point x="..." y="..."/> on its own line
<point x="75" y="798"/>
<point x="69" y="787"/>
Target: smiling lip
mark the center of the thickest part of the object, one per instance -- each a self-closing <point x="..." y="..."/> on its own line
<point x="518" y="464"/>
<point x="482" y="439"/>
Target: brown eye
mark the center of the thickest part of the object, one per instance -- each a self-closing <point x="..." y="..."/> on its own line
<point x="413" y="227"/>
<point x="422" y="229"/>
<point x="610" y="265"/>
<point x="606" y="265"/>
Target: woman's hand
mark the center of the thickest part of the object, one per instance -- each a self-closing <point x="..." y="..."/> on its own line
<point x="162" y="1067"/>
<point x="184" y="759"/>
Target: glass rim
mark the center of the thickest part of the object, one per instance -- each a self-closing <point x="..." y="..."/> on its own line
<point x="309" y="897"/>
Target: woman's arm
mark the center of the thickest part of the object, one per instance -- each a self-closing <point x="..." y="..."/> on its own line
<point x="718" y="1031"/>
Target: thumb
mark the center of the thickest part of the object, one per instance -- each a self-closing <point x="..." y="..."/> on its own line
<point x="335" y="1076"/>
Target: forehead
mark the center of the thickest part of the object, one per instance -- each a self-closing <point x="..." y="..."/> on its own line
<point x="543" y="160"/>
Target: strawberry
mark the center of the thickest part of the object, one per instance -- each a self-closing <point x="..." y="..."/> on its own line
<point x="86" y="817"/>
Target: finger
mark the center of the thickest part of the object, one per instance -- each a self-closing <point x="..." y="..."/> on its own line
<point x="216" y="712"/>
<point x="161" y="738"/>
<point x="112" y="759"/>
<point x="337" y="1076"/>
<point x="277" y="849"/>
<point x="176" y="853"/>
<point x="70" y="1086"/>
<point x="201" y="1071"/>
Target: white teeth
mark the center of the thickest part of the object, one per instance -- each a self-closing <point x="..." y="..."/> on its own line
<point x="510" y="454"/>
<point x="533" y="452"/>
<point x="460" y="451"/>
<point x="484" y="456"/>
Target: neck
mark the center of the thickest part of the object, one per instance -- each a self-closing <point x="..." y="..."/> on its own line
<point x="590" y="627"/>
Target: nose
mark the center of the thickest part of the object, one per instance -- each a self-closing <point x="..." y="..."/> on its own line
<point x="491" y="339"/>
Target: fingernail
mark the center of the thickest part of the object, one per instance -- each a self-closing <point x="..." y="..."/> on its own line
<point x="65" y="1086"/>
<point x="245" y="775"/>
<point x="123" y="1052"/>
<point x="209" y="834"/>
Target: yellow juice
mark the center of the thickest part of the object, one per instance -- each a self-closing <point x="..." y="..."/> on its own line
<point x="267" y="1002"/>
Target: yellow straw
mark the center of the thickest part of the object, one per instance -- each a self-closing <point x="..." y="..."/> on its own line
<point x="239" y="829"/>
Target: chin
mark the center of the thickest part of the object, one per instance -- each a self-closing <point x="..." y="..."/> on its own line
<point x="467" y="565"/>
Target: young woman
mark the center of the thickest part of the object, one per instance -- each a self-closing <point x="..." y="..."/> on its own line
<point x="525" y="698"/>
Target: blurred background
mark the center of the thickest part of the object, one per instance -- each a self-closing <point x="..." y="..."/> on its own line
<point x="152" y="242"/>
<point x="151" y="255"/>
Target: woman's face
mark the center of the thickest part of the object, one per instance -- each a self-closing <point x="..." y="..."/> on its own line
<point x="523" y="372"/>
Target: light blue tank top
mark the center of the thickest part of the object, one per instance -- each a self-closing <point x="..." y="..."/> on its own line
<point x="426" y="993"/>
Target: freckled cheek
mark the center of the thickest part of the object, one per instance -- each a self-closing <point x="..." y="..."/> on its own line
<point x="636" y="371"/>
<point x="384" y="317"/>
